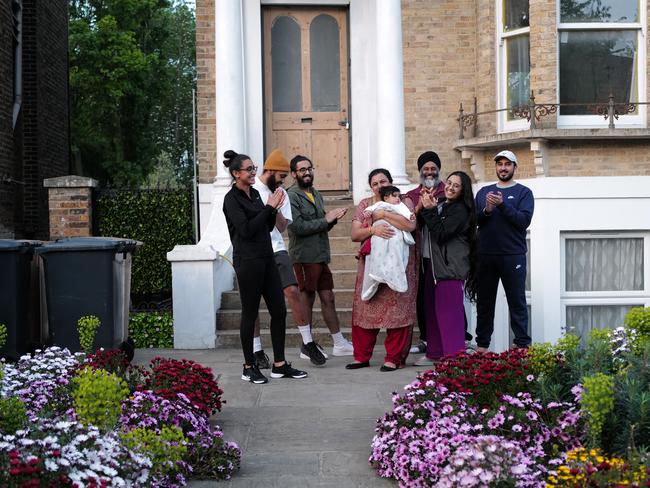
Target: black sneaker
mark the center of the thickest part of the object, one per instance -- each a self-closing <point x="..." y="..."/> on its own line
<point x="253" y="375"/>
<point x="286" y="371"/>
<point x="310" y="351"/>
<point x="262" y="360"/>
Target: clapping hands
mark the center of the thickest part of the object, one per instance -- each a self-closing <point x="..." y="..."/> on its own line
<point x="276" y="199"/>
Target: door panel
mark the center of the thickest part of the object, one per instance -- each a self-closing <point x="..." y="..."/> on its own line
<point x="306" y="89"/>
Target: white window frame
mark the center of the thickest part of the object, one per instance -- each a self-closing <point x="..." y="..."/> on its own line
<point x="637" y="120"/>
<point x="503" y="123"/>
<point x="609" y="297"/>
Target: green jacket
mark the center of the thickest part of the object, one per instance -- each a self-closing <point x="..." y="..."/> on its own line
<point x="308" y="240"/>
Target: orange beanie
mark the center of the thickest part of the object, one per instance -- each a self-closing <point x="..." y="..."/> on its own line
<point x="276" y="162"/>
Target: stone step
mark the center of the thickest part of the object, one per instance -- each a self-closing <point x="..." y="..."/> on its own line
<point x="230" y="319"/>
<point x="344" y="261"/>
<point x="342" y="297"/>
<point x="230" y="339"/>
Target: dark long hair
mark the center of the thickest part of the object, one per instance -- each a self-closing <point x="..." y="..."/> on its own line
<point x="233" y="160"/>
<point x="467" y="199"/>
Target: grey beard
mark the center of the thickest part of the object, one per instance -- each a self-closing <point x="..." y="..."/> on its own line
<point x="429" y="183"/>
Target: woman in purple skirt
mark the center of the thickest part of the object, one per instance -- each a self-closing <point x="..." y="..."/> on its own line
<point x="451" y="222"/>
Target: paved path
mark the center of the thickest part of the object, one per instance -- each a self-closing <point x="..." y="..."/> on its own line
<point x="300" y="433"/>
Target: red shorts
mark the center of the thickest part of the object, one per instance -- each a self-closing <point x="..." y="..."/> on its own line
<point x="313" y="276"/>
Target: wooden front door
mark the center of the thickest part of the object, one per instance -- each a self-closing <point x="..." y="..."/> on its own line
<point x="306" y="89"/>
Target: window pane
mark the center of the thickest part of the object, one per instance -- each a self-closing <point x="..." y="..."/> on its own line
<point x="604" y="264"/>
<point x="515" y="14"/>
<point x="286" y="65"/>
<point x="325" y="64"/>
<point x="581" y="319"/>
<point x="594" y="64"/>
<point x="518" y="65"/>
<point x="599" y="11"/>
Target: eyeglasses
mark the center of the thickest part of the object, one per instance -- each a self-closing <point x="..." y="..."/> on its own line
<point x="250" y="169"/>
<point x="304" y="171"/>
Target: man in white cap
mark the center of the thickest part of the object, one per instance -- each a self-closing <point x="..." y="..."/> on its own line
<point x="505" y="210"/>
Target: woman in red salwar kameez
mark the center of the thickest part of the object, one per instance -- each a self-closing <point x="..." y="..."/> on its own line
<point x="387" y="309"/>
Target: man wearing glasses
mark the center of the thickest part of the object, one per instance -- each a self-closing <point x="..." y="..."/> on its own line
<point x="309" y="248"/>
<point x="276" y="169"/>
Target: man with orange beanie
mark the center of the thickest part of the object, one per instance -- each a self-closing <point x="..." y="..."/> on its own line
<point x="276" y="169"/>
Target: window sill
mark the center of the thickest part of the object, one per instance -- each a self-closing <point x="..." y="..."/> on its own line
<point x="523" y="136"/>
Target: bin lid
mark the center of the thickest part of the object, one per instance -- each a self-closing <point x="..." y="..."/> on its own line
<point x="116" y="244"/>
<point x="18" y="245"/>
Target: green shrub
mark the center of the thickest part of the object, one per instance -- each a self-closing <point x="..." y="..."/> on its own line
<point x="13" y="415"/>
<point x="165" y="450"/>
<point x="637" y="322"/>
<point x="3" y="335"/>
<point x="87" y="327"/>
<point x="152" y="329"/>
<point x="160" y="219"/>
<point x="597" y="403"/>
<point x="97" y="396"/>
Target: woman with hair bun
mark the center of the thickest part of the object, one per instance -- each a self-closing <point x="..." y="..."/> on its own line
<point x="249" y="224"/>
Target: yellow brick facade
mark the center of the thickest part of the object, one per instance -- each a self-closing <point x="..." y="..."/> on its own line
<point x="449" y="50"/>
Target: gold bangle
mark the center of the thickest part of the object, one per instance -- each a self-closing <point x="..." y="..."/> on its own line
<point x="370" y="230"/>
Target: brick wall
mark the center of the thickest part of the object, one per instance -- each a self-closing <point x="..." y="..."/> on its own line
<point x="70" y="206"/>
<point x="7" y="166"/>
<point x="439" y="41"/>
<point x="206" y="104"/>
<point x="45" y="107"/>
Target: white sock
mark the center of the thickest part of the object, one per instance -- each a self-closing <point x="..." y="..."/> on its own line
<point x="305" y="332"/>
<point x="338" y="339"/>
<point x="257" y="344"/>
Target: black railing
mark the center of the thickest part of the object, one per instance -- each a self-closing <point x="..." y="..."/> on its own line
<point x="533" y="112"/>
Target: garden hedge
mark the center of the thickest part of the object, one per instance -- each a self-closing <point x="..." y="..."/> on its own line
<point x="160" y="218"/>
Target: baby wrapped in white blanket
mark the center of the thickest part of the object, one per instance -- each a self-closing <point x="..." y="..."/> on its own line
<point x="388" y="258"/>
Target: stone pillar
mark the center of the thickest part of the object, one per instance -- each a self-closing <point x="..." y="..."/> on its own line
<point x="391" y="152"/>
<point x="70" y="206"/>
<point x="198" y="281"/>
<point x="229" y="62"/>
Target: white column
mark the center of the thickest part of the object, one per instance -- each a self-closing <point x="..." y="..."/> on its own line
<point x="229" y="75"/>
<point x="390" y="91"/>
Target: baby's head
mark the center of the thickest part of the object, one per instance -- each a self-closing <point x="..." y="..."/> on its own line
<point x="389" y="194"/>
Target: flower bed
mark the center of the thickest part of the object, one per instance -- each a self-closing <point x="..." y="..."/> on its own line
<point x="563" y="415"/>
<point x="91" y="421"/>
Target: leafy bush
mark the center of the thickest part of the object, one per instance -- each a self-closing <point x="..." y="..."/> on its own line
<point x="152" y="329"/>
<point x="165" y="449"/>
<point x="169" y="377"/>
<point x="160" y="219"/>
<point x="87" y="327"/>
<point x="597" y="402"/>
<point x="97" y="397"/>
<point x="13" y="415"/>
<point x="637" y="321"/>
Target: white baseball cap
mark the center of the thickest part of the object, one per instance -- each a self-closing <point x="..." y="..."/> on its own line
<point x="509" y="155"/>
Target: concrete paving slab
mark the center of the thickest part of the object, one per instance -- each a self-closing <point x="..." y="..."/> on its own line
<point x="314" y="432"/>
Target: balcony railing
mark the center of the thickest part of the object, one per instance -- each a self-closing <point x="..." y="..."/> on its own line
<point x="533" y="112"/>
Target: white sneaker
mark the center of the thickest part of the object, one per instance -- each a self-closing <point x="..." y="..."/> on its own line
<point x="424" y="361"/>
<point x="419" y="348"/>
<point x="344" y="349"/>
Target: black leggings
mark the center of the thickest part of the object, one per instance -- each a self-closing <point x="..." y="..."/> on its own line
<point x="259" y="277"/>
